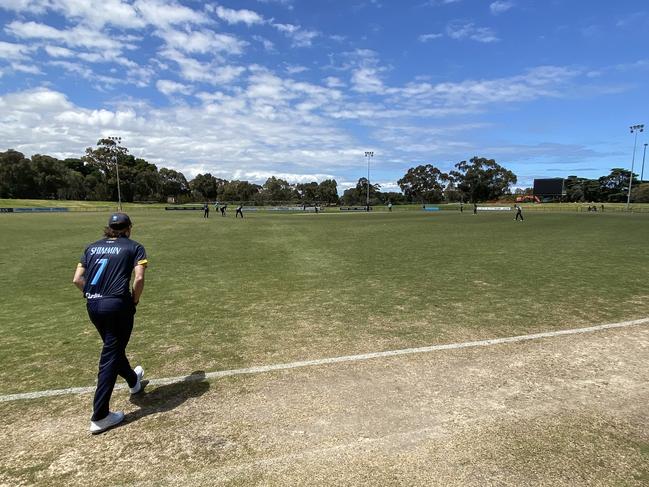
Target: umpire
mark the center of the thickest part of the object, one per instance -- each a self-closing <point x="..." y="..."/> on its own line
<point x="103" y="275"/>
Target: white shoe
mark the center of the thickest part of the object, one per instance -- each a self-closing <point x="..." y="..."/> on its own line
<point x="139" y="371"/>
<point x="113" y="419"/>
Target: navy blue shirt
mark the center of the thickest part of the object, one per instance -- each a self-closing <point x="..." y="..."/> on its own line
<point x="109" y="263"/>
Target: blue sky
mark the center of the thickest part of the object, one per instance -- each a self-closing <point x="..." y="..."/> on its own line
<point x="302" y="88"/>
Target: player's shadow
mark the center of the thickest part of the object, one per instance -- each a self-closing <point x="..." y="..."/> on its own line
<point x="167" y="397"/>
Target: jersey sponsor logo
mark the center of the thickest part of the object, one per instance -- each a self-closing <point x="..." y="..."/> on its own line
<point x="104" y="250"/>
<point x="94" y="296"/>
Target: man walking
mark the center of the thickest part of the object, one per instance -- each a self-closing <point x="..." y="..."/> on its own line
<point x="519" y="213"/>
<point x="103" y="275"/>
<point x="206" y="210"/>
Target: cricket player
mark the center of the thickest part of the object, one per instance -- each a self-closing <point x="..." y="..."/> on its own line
<point x="103" y="275"/>
<point x="239" y="211"/>
<point x="519" y="213"/>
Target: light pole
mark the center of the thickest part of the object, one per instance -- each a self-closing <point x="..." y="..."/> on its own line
<point x="368" y="156"/>
<point x="118" y="141"/>
<point x="644" y="154"/>
<point x="634" y="130"/>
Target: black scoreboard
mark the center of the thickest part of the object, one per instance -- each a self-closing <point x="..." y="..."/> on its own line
<point x="549" y="187"/>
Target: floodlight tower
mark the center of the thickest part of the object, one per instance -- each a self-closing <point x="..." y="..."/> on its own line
<point x="644" y="154"/>
<point x="368" y="156"/>
<point x="634" y="130"/>
<point x="118" y="141"/>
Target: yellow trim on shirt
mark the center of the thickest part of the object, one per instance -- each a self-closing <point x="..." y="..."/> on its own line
<point x="143" y="262"/>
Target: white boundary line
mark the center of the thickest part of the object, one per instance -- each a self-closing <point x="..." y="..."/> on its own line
<point x="331" y="360"/>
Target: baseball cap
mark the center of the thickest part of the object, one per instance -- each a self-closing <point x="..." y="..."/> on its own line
<point x="119" y="221"/>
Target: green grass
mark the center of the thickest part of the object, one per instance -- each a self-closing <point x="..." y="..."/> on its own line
<point x="224" y="293"/>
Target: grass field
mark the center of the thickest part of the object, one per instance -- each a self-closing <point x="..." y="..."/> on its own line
<point x="273" y="288"/>
<point x="225" y="293"/>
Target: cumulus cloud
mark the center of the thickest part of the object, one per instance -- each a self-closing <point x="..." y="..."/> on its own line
<point x="79" y="36"/>
<point x="163" y="14"/>
<point x="500" y="6"/>
<point x="169" y="87"/>
<point x="201" y="41"/>
<point x="243" y="16"/>
<point x="211" y="72"/>
<point x="13" y="52"/>
<point x="57" y="51"/>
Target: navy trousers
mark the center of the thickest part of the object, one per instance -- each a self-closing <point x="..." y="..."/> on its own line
<point x="113" y="318"/>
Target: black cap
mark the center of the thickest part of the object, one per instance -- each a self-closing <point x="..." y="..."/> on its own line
<point x="119" y="221"/>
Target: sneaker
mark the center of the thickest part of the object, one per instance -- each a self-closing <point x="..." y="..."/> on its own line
<point x="113" y="419"/>
<point x="139" y="371"/>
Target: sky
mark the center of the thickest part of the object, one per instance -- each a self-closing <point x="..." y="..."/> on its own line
<point x="301" y="89"/>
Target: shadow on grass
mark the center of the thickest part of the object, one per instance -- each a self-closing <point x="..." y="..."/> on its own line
<point x="168" y="397"/>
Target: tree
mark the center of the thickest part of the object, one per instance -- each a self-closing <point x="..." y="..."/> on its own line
<point x="328" y="192"/>
<point x="358" y="194"/>
<point x="50" y="175"/>
<point x="640" y="194"/>
<point x="482" y="179"/>
<point x="173" y="183"/>
<point x="424" y="183"/>
<point x="307" y="192"/>
<point x="102" y="160"/>
<point x="276" y="189"/>
<point x="17" y="176"/>
<point x="238" y="191"/>
<point x="205" y="186"/>
<point x="615" y="186"/>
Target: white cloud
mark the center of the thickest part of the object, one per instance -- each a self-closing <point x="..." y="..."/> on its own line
<point x="542" y="81"/>
<point x="633" y="19"/>
<point x="169" y="87"/>
<point x="201" y="41"/>
<point x="333" y="82"/>
<point x="194" y="70"/>
<point x="91" y="12"/>
<point x="290" y="69"/>
<point x="244" y="16"/>
<point x="268" y="45"/>
<point x="434" y="3"/>
<point x="25" y="68"/>
<point x="163" y="14"/>
<point x="299" y="36"/>
<point x="500" y="6"/>
<point x="78" y="36"/>
<point x="57" y="51"/>
<point x="293" y="178"/>
<point x="13" y="52"/>
<point x="79" y="70"/>
<point x="367" y="80"/>
<point x="286" y="3"/>
<point x="460" y="30"/>
<point x="429" y="37"/>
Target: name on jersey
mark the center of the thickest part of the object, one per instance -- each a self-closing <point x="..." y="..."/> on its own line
<point x="104" y="250"/>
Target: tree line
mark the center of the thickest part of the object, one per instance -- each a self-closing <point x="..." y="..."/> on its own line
<point x="94" y="177"/>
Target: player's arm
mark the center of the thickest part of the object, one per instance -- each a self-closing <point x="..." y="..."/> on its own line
<point x="138" y="281"/>
<point x="79" y="279"/>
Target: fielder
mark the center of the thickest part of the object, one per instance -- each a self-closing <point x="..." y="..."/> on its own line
<point x="103" y="275"/>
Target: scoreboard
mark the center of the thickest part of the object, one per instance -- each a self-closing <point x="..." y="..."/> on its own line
<point x="549" y="187"/>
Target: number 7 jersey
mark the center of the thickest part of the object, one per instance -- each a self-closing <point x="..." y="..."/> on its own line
<point x="109" y="263"/>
